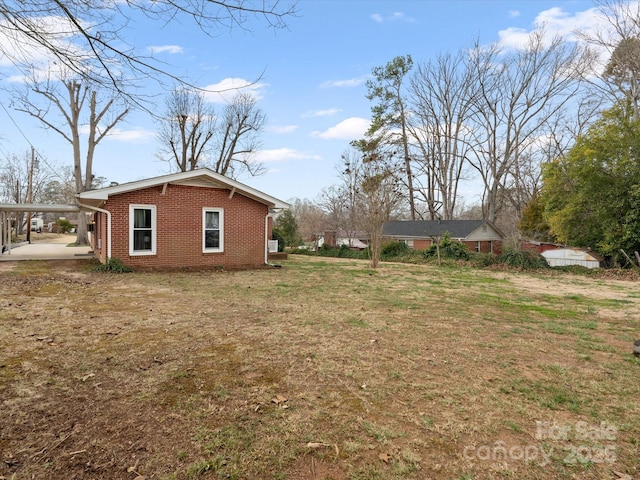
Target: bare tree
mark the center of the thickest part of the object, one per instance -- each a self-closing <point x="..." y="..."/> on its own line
<point x="442" y="98"/>
<point x="554" y="140"/>
<point x="193" y="136"/>
<point x="238" y="137"/>
<point x="615" y="48"/>
<point x="187" y="129"/>
<point x="377" y="194"/>
<point x="518" y="93"/>
<point x="623" y="71"/>
<point x="89" y="40"/>
<point x="23" y="178"/>
<point x="340" y="202"/>
<point x="70" y="99"/>
<point x="310" y="217"/>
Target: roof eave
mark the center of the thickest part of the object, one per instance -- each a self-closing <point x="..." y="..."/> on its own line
<point x="102" y="194"/>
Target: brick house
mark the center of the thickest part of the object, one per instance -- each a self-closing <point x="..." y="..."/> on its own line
<point x="478" y="235"/>
<point x="189" y="220"/>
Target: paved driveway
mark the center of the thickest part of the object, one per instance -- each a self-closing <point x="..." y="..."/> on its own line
<point x="56" y="249"/>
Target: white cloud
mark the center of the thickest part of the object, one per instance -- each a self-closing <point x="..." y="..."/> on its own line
<point x="514" y="13"/>
<point x="19" y="48"/>
<point x="554" y="21"/>
<point x="284" y="154"/>
<point x="165" y="49"/>
<point x="350" y="129"/>
<point x="514" y="37"/>
<point x="226" y="89"/>
<point x="139" y="135"/>
<point x="134" y="135"/>
<point x="348" y="83"/>
<point x="321" y="113"/>
<point x="400" y="16"/>
<point x="393" y="17"/>
<point x="282" y="128"/>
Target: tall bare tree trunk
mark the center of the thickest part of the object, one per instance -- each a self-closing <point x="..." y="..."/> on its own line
<point x="70" y="105"/>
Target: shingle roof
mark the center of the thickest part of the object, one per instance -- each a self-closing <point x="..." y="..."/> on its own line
<point x="428" y="228"/>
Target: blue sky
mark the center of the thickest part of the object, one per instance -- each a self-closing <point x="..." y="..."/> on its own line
<point x="311" y="80"/>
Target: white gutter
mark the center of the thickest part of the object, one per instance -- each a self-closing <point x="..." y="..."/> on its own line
<point x="266" y="239"/>
<point x="101" y="210"/>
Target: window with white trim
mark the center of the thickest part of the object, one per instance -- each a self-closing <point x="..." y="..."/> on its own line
<point x="142" y="230"/>
<point x="212" y="230"/>
<point x="407" y="242"/>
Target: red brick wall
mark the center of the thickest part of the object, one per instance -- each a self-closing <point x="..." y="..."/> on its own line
<point x="421" y="244"/>
<point x="179" y="229"/>
<point x="486" y="246"/>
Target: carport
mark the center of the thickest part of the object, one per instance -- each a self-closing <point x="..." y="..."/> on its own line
<point x="51" y="251"/>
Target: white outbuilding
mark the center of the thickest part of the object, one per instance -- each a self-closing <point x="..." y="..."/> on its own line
<point x="560" y="257"/>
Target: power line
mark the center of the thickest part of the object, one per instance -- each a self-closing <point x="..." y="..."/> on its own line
<point x="40" y="156"/>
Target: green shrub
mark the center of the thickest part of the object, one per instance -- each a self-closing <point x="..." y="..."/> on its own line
<point x="578" y="269"/>
<point x="342" y="252"/>
<point x="484" y="259"/>
<point x="525" y="259"/>
<point x="64" y="225"/>
<point x="393" y="250"/>
<point x="448" y="249"/>
<point x="302" y="251"/>
<point x="113" y="265"/>
<point x="325" y="250"/>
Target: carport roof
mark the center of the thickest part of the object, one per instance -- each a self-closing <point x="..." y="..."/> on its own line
<point x="38" y="207"/>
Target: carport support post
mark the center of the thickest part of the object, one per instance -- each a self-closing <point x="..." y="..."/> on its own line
<point x="30" y="200"/>
<point x="6" y="231"/>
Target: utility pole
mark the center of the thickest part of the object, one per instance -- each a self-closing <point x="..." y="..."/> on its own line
<point x="30" y="193"/>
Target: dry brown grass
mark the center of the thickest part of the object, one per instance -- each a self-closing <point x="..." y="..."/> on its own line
<point x="402" y="372"/>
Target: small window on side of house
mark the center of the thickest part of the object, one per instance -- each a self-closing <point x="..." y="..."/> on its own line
<point x="409" y="243"/>
<point x="212" y="230"/>
<point x="142" y="230"/>
<point x="477" y="246"/>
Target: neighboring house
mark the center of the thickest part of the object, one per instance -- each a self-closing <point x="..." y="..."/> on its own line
<point x="355" y="240"/>
<point x="478" y="235"/>
<point x="189" y="220"/>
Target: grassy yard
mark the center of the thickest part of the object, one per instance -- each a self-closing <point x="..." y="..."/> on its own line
<point x="321" y="369"/>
